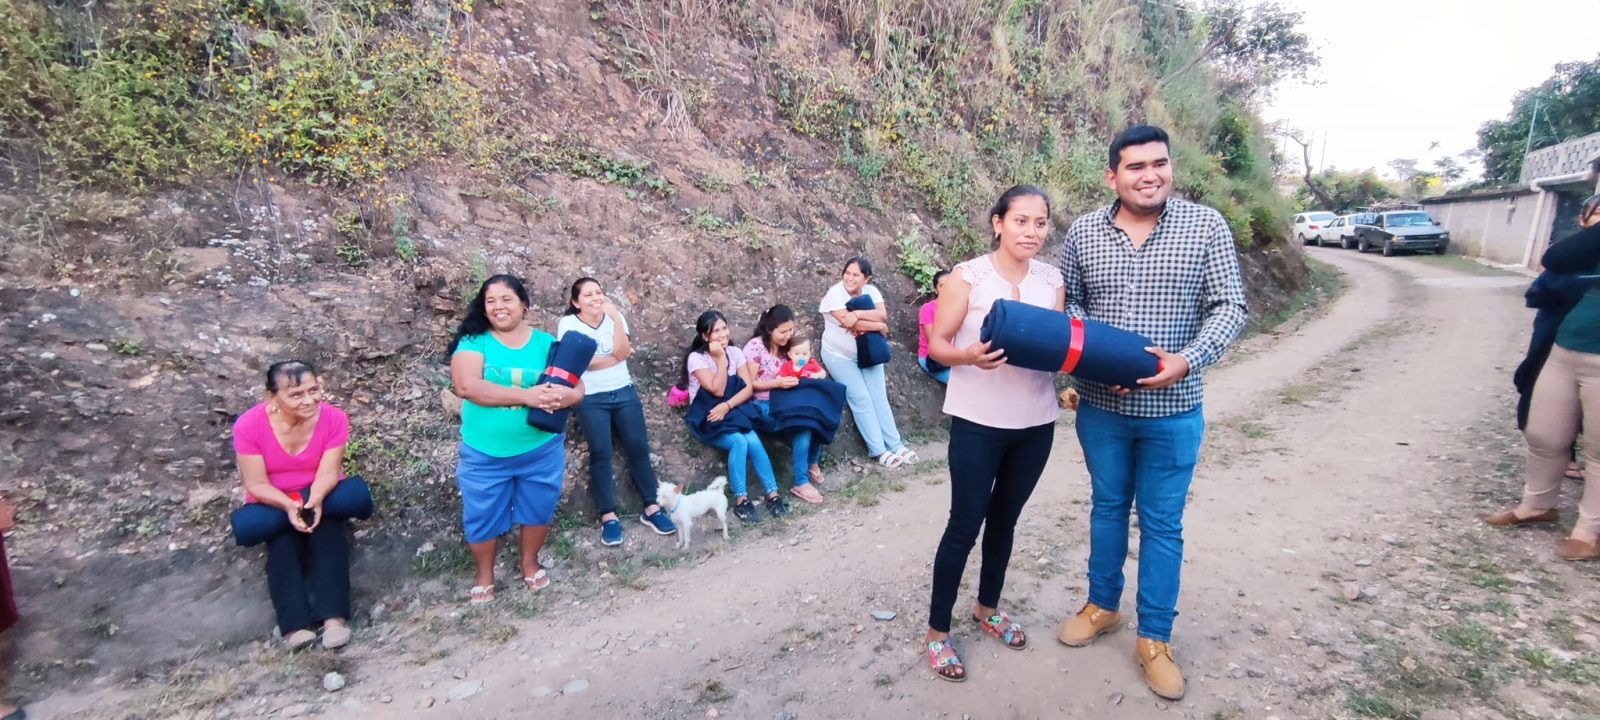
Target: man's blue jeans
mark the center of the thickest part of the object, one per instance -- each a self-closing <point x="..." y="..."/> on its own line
<point x="1148" y="462"/>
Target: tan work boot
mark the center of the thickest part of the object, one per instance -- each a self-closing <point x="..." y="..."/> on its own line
<point x="1090" y="622"/>
<point x="1161" y="672"/>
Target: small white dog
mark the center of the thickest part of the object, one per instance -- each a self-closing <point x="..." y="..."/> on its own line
<point x="685" y="508"/>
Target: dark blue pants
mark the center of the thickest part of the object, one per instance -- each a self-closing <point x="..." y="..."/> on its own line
<point x="308" y="575"/>
<point x="992" y="473"/>
<point x="616" y="414"/>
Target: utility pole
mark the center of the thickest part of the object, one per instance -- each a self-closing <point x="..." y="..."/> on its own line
<point x="1527" y="146"/>
<point x="1322" y="163"/>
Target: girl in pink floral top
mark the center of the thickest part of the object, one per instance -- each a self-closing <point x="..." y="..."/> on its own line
<point x="766" y="354"/>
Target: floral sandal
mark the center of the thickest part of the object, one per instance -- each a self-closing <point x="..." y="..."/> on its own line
<point x="537" y="581"/>
<point x="947" y="667"/>
<point x="1000" y="627"/>
<point x="480" y="594"/>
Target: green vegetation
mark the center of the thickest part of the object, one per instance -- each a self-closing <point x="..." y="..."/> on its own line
<point x="951" y="101"/>
<point x="1569" y="107"/>
<point x="917" y="260"/>
<point x="1342" y="191"/>
<point x="135" y="95"/>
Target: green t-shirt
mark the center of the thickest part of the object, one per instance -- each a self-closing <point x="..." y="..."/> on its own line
<point x="504" y="431"/>
<point x="1580" y="329"/>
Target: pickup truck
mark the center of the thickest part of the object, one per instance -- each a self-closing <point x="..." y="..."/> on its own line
<point x="1402" y="230"/>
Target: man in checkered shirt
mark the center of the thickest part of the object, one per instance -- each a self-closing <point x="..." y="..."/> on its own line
<point x="1165" y="268"/>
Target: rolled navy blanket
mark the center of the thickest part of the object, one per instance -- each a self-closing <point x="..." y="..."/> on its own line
<point x="871" y="348"/>
<point x="741" y="418"/>
<point x="1043" y="339"/>
<point x="814" y="405"/>
<point x="255" y="523"/>
<point x="569" y="358"/>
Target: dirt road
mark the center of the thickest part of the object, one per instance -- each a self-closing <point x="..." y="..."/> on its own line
<point x="1334" y="567"/>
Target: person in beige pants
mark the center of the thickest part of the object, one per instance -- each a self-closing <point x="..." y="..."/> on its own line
<point x="1568" y="383"/>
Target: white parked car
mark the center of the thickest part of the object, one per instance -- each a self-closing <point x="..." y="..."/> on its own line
<point x="1308" y="225"/>
<point x="1334" y="233"/>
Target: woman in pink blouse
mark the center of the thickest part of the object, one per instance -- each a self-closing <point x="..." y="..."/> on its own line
<point x="290" y="450"/>
<point x="1002" y="420"/>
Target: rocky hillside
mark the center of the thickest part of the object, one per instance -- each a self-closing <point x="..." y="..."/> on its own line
<point x="312" y="201"/>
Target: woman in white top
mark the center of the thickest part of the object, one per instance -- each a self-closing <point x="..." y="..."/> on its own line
<point x="611" y="407"/>
<point x="1002" y="419"/>
<point x="865" y="389"/>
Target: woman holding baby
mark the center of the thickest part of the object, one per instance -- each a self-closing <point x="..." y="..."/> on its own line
<point x="778" y="360"/>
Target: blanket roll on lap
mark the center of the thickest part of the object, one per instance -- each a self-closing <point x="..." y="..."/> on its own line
<point x="871" y="348"/>
<point x="1039" y="338"/>
<point x="814" y="405"/>
<point x="569" y="358"/>
<point x="256" y="523"/>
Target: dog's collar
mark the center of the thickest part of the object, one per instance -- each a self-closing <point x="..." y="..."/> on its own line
<point x="674" y="508"/>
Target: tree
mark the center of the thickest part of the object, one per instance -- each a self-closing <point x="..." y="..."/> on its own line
<point x="1569" y="107"/>
<point x="1345" y="191"/>
<point x="1253" y="46"/>
<point x="1404" y="168"/>
<point x="1312" y="186"/>
<point x="1449" y="169"/>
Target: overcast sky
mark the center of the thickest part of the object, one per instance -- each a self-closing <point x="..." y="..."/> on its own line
<point x="1399" y="75"/>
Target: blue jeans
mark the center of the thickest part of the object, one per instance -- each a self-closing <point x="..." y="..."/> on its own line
<point x="616" y="414"/>
<point x="943" y="376"/>
<point x="740" y="446"/>
<point x="868" y="397"/>
<point x="1148" y="462"/>
<point x="806" y="452"/>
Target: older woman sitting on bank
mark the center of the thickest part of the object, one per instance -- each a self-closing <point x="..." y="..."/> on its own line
<point x="290" y="451"/>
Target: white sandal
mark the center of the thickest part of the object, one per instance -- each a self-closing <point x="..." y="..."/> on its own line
<point x="335" y="636"/>
<point x="480" y="595"/>
<point x="908" y="457"/>
<point x="538" y="581"/>
<point x="300" y="639"/>
<point x="890" y="460"/>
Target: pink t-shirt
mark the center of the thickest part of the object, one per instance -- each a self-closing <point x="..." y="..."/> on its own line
<point x="767" y="364"/>
<point x="925" y="319"/>
<point x="252" y="435"/>
<point x="704" y="361"/>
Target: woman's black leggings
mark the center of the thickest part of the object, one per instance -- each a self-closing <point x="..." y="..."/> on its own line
<point x="992" y="473"/>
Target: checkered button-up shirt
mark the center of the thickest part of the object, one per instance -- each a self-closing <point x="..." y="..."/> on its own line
<point x="1181" y="289"/>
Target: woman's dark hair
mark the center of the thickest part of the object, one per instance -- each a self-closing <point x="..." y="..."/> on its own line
<point x="1003" y="205"/>
<point x="861" y="263"/>
<point x="1136" y="135"/>
<point x="933" y="291"/>
<point x="702" y="327"/>
<point x="774" y="317"/>
<point x="288" y="373"/>
<point x="477" y="320"/>
<point x="577" y="289"/>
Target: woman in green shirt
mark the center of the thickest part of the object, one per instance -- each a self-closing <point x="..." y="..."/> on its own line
<point x="509" y="472"/>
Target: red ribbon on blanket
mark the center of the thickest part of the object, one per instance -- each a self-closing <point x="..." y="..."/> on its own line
<point x="559" y="374"/>
<point x="1074" y="348"/>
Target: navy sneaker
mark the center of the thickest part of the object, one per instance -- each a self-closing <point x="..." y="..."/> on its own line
<point x="777" y="506"/>
<point x="610" y="532"/>
<point x="746" y="512"/>
<point x="660" y="522"/>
